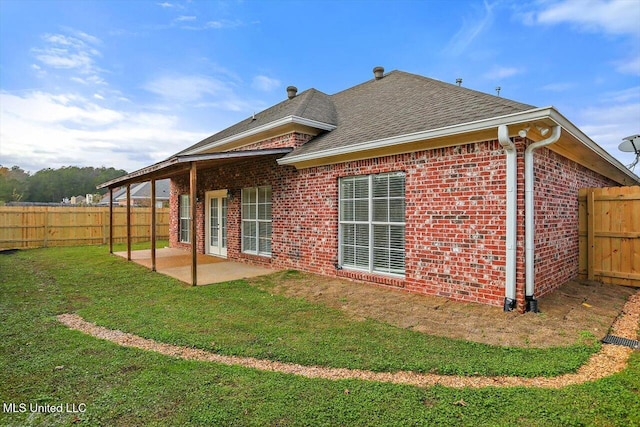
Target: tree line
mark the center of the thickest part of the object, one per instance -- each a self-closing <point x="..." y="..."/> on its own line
<point x="52" y="185"/>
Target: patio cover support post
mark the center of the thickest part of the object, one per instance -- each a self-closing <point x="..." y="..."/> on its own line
<point x="194" y="238"/>
<point x="128" y="222"/>
<point x="111" y="220"/>
<point x="153" y="225"/>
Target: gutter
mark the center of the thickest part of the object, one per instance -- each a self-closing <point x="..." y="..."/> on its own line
<point x="512" y="217"/>
<point x="529" y="217"/>
<point x="483" y="124"/>
<point x="159" y="170"/>
<point x="548" y="114"/>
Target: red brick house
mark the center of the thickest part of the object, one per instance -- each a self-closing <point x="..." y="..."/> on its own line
<point x="402" y="181"/>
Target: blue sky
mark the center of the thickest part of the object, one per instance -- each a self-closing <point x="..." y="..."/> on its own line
<point x="129" y="83"/>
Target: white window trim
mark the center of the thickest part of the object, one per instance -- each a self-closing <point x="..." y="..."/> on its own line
<point x="256" y="220"/>
<point x="181" y="197"/>
<point x="370" y="223"/>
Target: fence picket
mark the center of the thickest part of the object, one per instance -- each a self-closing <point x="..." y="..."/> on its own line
<point x="24" y="227"/>
<point x="609" y="233"/>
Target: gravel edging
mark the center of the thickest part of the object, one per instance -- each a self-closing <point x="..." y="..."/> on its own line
<point x="608" y="361"/>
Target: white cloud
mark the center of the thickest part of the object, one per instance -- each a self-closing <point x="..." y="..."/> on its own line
<point x="84" y="36"/>
<point x="558" y="87"/>
<point x="198" y="91"/>
<point x="498" y="73"/>
<point x="223" y="23"/>
<point x="613" y="120"/>
<point x="231" y="104"/>
<point x="265" y="83"/>
<point x="186" y="88"/>
<point x="43" y="107"/>
<point x="89" y="80"/>
<point x="630" y="65"/>
<point x="183" y="18"/>
<point x="471" y="28"/>
<point x="74" y="52"/>
<point x="609" y="16"/>
<point x="167" y="5"/>
<point x="52" y="130"/>
<point x="623" y="96"/>
<point x="62" y="58"/>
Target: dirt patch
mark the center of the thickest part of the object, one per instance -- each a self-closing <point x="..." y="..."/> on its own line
<point x="609" y="360"/>
<point x="566" y="314"/>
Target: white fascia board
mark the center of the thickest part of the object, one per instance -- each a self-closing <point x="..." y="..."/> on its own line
<point x="510" y="119"/>
<point x="267" y="127"/>
<point x="522" y="117"/>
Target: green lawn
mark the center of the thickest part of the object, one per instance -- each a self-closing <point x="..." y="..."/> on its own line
<point x="44" y="362"/>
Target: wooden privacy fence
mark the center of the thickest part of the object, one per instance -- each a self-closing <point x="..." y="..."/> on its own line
<point x="42" y="226"/>
<point x="609" y="230"/>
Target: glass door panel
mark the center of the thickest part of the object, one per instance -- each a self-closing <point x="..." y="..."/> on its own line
<point x="217" y="224"/>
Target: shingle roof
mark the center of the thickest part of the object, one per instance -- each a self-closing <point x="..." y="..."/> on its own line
<point x="401" y="103"/>
<point x="310" y="104"/>
<point x="140" y="191"/>
<point x="143" y="190"/>
<point x="397" y="104"/>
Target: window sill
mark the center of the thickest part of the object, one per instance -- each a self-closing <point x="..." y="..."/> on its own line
<point x="395" y="280"/>
<point x="263" y="258"/>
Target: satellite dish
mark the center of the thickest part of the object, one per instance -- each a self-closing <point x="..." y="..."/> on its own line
<point x="630" y="144"/>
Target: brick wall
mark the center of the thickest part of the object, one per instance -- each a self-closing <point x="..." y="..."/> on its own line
<point x="456" y="222"/>
<point x="293" y="140"/>
<point x="455" y="217"/>
<point x="234" y="177"/>
<point x="558" y="180"/>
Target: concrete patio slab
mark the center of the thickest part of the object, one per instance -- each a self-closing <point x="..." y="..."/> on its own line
<point x="176" y="263"/>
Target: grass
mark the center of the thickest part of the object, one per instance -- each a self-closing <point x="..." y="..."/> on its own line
<point x="47" y="363"/>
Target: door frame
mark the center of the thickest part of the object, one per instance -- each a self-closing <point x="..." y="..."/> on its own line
<point x="209" y="195"/>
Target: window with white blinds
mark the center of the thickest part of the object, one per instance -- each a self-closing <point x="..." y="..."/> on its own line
<point x="184" y="207"/>
<point x="256" y="220"/>
<point x="372" y="210"/>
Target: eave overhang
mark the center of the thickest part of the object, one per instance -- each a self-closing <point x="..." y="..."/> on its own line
<point x="272" y="129"/>
<point x="180" y="164"/>
<point x="573" y="144"/>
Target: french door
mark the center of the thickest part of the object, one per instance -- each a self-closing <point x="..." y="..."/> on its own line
<point x="216" y="216"/>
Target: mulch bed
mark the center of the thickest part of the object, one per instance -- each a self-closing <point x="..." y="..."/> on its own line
<point x="576" y="307"/>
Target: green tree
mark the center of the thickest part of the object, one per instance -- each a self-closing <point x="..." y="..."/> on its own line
<point x="53" y="185"/>
<point x="13" y="184"/>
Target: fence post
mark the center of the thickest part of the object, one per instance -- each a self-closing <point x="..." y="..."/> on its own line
<point x="591" y="255"/>
<point x="110" y="220"/>
<point x="128" y="222"/>
<point x="46" y="227"/>
<point x="104" y="227"/>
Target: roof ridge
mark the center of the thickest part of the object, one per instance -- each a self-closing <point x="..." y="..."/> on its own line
<point x="308" y="96"/>
<point x="314" y="93"/>
<point x="365" y="82"/>
<point x="470" y="91"/>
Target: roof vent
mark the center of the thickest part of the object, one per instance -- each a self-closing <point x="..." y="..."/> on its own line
<point x="292" y="91"/>
<point x="378" y="72"/>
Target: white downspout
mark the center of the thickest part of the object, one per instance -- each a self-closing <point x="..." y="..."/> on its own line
<point x="512" y="217"/>
<point x="529" y="217"/>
